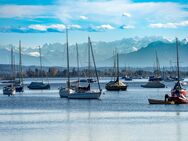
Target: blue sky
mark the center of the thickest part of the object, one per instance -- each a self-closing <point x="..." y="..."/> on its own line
<point x="36" y="22"/>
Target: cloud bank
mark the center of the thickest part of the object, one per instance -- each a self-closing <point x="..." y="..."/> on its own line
<point x="95" y="15"/>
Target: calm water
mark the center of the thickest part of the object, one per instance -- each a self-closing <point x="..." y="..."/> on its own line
<point x="117" y="116"/>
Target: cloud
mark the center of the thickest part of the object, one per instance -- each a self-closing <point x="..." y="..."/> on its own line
<point x="49" y="28"/>
<point x="170" y="25"/>
<point x="74" y="26"/>
<point x="105" y="27"/>
<point x="127" y="27"/>
<point x="134" y="49"/>
<point x="25" y="11"/>
<point x="101" y="12"/>
<point x="35" y="28"/>
<point x="126" y="14"/>
<point x="35" y="54"/>
<point x="38" y="27"/>
<point x="83" y="17"/>
<point x="73" y="12"/>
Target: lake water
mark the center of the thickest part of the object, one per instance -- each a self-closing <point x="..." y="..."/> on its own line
<point x="117" y="116"/>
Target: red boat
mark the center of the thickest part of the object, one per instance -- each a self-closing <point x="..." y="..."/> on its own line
<point x="178" y="100"/>
<point x="178" y="94"/>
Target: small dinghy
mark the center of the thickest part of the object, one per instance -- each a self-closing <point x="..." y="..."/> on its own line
<point x="156" y="101"/>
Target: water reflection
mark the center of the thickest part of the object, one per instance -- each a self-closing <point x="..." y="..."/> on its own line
<point x="178" y="126"/>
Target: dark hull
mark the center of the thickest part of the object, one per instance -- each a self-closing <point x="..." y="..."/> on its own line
<point x="144" y="86"/>
<point x="153" y="84"/>
<point x="42" y="87"/>
<point x="114" y="88"/>
<point x="19" y="88"/>
<point x="156" y="101"/>
<point x="171" y="100"/>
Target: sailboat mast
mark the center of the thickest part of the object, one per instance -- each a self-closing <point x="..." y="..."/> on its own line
<point x="78" y="67"/>
<point x="115" y="71"/>
<point x="68" y="73"/>
<point x="90" y="44"/>
<point x="41" y="63"/>
<point x="20" y="63"/>
<point x="117" y="67"/>
<point x="157" y="64"/>
<point x="177" y="51"/>
<point x="89" y="60"/>
<point x="12" y="62"/>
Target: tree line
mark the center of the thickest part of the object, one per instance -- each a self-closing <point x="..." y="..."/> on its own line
<point x="108" y="72"/>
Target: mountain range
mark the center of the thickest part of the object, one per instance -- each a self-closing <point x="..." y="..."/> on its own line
<point x="134" y="52"/>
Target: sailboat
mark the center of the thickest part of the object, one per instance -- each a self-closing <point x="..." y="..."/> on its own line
<point x="88" y="73"/>
<point x="126" y="77"/>
<point x="10" y="89"/>
<point x="65" y="91"/>
<point x="39" y="85"/>
<point x="154" y="81"/>
<point x="116" y="85"/>
<point x="86" y="92"/>
<point x="19" y="85"/>
<point x="178" y="94"/>
<point x="80" y="88"/>
<point x="76" y="92"/>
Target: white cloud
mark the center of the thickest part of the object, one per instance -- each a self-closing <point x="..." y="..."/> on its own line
<point x="58" y="27"/>
<point x="170" y="25"/>
<point x="35" y="54"/>
<point x="127" y="27"/>
<point x="105" y="27"/>
<point x="101" y="12"/>
<point x="74" y="26"/>
<point x="25" y="11"/>
<point x="83" y="17"/>
<point x="134" y="49"/>
<point x="70" y="12"/>
<point x="126" y="14"/>
<point x="38" y="27"/>
<point x="52" y="27"/>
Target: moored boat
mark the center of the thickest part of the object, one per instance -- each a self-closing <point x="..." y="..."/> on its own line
<point x="153" y="84"/>
<point x="86" y="92"/>
<point x="178" y="93"/>
<point x="9" y="90"/>
<point x="85" y="95"/>
<point x="116" y="85"/>
<point x="156" y="101"/>
<point x="38" y="86"/>
<point x="155" y="81"/>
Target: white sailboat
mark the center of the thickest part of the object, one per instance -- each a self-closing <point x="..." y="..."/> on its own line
<point x="65" y="91"/>
<point x="10" y="89"/>
<point x="76" y="92"/>
<point x="80" y="93"/>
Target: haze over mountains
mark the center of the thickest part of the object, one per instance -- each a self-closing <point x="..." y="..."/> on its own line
<point x="134" y="52"/>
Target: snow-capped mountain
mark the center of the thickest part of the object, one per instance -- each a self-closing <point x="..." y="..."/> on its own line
<point x="55" y="54"/>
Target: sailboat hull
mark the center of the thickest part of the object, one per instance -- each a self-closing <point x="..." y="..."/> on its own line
<point x="64" y="92"/>
<point x="85" y="95"/>
<point x="38" y="86"/>
<point x="19" y="88"/>
<point x="116" y="86"/>
<point x="153" y="84"/>
<point x="9" y="91"/>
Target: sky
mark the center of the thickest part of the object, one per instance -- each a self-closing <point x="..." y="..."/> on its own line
<point x="36" y="22"/>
